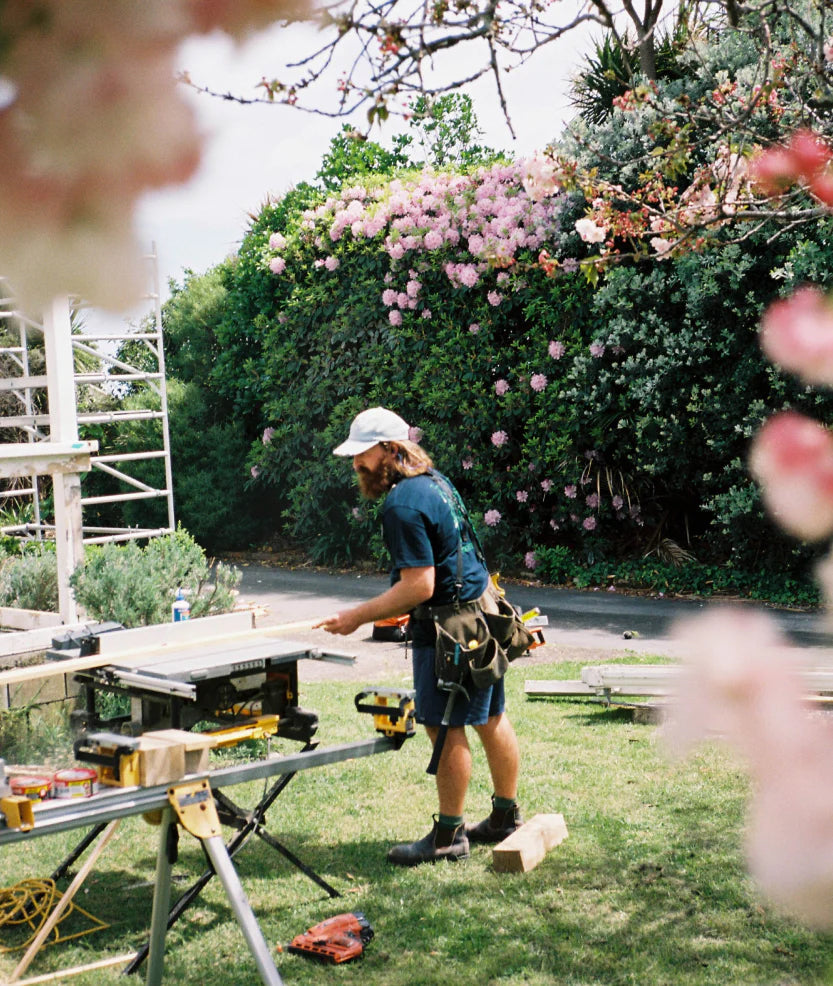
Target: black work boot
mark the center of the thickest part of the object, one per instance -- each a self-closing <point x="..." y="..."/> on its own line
<point x="501" y="823"/>
<point x="440" y="843"/>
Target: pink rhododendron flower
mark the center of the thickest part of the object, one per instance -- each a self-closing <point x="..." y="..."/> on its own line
<point x="792" y="460"/>
<point x="474" y="328"/>
<point x="467" y="464"/>
<point x="541" y="176"/>
<point x="331" y="262"/>
<point x="255" y="471"/>
<point x="277" y="265"/>
<point x="415" y="434"/>
<point x="589" y="523"/>
<point x="597" y="349"/>
<point x="427" y="313"/>
<point x="433" y="239"/>
<point x="740" y="680"/>
<point x="494" y="298"/>
<point x="589" y="231"/>
<point x="617" y="502"/>
<point x="592" y="500"/>
<point x="521" y="496"/>
<point x="530" y="561"/>
<point x="277" y="241"/>
<point x="570" y="492"/>
<point x="395" y="317"/>
<point x="491" y="518"/>
<point x="538" y="382"/>
<point x="268" y="435"/>
<point x="389" y="297"/>
<point x="797" y="335"/>
<point x="556" y="349"/>
<point x="501" y="386"/>
<point x="546" y="485"/>
<point x="499" y="438"/>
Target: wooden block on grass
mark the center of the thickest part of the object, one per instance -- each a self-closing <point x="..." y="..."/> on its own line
<point x="524" y="849"/>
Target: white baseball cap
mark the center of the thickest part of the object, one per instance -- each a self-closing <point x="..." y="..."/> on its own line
<point x="376" y="424"/>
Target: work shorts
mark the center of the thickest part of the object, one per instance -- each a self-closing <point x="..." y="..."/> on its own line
<point x="483" y="703"/>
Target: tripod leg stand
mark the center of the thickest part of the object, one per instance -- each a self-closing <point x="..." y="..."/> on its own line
<point x="196" y="811"/>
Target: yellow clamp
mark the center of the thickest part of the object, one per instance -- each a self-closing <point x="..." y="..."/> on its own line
<point x="194" y="805"/>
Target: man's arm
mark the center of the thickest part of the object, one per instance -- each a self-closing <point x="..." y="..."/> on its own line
<point x="415" y="586"/>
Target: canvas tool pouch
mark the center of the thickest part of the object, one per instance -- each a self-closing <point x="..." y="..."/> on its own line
<point x="505" y="623"/>
<point x="465" y="650"/>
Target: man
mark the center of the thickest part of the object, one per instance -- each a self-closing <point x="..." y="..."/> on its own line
<point x="424" y="527"/>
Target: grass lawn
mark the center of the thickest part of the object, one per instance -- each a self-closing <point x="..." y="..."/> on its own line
<point x="649" y="888"/>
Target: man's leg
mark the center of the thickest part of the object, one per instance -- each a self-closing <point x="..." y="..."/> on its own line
<point x="447" y="839"/>
<point x="503" y="756"/>
<point x="454" y="770"/>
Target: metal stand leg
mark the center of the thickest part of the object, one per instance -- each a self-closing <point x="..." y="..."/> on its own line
<point x="223" y="867"/>
<point x="161" y="900"/>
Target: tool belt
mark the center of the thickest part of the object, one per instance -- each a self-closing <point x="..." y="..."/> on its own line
<point x="476" y="640"/>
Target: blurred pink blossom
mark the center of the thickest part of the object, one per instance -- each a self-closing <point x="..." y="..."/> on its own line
<point x="792" y="460"/>
<point x="494" y="298"/>
<point x="467" y="464"/>
<point x="530" y="561"/>
<point x="590" y="232"/>
<point x="538" y="382"/>
<point x="491" y="518"/>
<point x="546" y="485"/>
<point x="395" y="317"/>
<point x="556" y="349"/>
<point x="499" y="438"/>
<point x="268" y="435"/>
<point x="277" y="241"/>
<point x="501" y="386"/>
<point x="797" y="335"/>
<point x="331" y="262"/>
<point x="570" y="491"/>
<point x="474" y="328"/>
<point x="521" y="496"/>
<point x="597" y="349"/>
<point x="740" y="680"/>
<point x="415" y="434"/>
<point x="592" y="500"/>
<point x="589" y="523"/>
<point x="277" y="265"/>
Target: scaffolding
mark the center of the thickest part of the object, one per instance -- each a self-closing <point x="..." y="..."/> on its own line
<point x="44" y="367"/>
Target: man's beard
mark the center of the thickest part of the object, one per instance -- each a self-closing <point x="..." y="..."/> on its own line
<point x="373" y="483"/>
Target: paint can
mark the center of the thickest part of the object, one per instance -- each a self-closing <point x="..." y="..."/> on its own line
<point x="74" y="782"/>
<point x="31" y="787"/>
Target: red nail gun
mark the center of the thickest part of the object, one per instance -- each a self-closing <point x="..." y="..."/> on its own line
<point x="338" y="939"/>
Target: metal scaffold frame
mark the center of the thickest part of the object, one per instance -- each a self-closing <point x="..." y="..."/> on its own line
<point x="51" y="444"/>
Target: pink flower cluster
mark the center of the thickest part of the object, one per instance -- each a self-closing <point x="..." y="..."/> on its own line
<point x="805" y="159"/>
<point x="93" y="117"/>
<point x="487" y="217"/>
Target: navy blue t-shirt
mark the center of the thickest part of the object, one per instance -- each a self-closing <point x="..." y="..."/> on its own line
<point x="422" y="527"/>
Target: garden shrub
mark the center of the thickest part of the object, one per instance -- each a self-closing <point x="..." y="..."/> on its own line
<point x="29" y="580"/>
<point x="136" y="586"/>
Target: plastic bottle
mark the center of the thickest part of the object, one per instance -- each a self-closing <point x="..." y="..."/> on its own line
<point x="181" y="609"/>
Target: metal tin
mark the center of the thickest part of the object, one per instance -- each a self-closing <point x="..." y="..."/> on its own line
<point x="74" y="782"/>
<point x="31" y="787"/>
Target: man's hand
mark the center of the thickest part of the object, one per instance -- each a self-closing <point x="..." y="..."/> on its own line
<point x="414" y="587"/>
<point x="343" y="623"/>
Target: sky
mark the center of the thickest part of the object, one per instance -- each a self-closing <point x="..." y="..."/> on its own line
<point x="252" y="152"/>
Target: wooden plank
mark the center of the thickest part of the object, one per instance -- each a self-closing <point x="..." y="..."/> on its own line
<point x="527" y="846"/>
<point x="160" y="646"/>
<point x="45" y="458"/>
<point x="28" y="619"/>
<point x="558" y="687"/>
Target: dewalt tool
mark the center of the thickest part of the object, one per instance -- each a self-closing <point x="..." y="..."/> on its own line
<point x="338" y="939"/>
<point x="393" y="711"/>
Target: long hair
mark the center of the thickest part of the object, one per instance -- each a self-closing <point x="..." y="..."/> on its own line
<point x="412" y="460"/>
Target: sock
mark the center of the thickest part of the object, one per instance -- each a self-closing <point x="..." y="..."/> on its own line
<point x="503" y="804"/>
<point x="447" y="826"/>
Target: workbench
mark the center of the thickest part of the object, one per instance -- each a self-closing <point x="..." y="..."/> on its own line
<point x="168" y="677"/>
